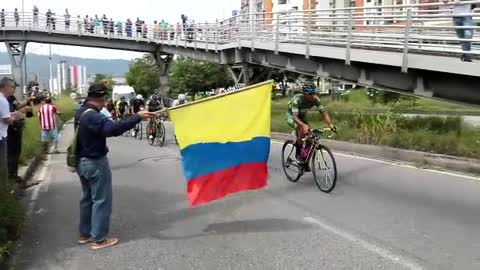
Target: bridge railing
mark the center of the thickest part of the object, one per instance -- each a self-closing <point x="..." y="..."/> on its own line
<point x="422" y="28"/>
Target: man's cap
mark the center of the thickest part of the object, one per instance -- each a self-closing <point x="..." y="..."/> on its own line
<point x="97" y="90"/>
<point x="6" y="80"/>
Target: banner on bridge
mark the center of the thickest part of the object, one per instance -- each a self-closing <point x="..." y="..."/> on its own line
<point x="225" y="142"/>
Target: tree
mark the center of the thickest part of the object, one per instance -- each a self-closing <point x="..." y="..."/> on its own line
<point x="144" y="75"/>
<point x="107" y="80"/>
<point x="283" y="77"/>
<point x="192" y="76"/>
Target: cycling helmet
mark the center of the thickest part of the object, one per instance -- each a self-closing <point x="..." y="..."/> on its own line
<point x="309" y="88"/>
<point x="154" y="97"/>
<point x="181" y="97"/>
<point x="139" y="96"/>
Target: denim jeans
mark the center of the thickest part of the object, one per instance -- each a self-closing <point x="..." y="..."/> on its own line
<point x="464" y="33"/>
<point x="96" y="203"/>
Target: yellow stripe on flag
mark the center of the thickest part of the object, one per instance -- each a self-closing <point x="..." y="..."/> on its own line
<point x="235" y="117"/>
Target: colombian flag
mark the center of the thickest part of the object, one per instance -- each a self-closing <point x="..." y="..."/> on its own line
<point x="225" y="142"/>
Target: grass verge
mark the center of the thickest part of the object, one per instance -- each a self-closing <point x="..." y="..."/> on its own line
<point x="441" y="135"/>
<point x="12" y="214"/>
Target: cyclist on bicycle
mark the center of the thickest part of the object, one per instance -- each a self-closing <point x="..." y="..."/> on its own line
<point x="153" y="105"/>
<point x="121" y="107"/>
<point x="296" y="115"/>
<point x="180" y="100"/>
<point x="136" y="104"/>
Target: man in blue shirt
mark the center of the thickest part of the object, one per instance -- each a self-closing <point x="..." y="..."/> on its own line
<point x="94" y="168"/>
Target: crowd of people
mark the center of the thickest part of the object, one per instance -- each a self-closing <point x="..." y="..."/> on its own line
<point x="12" y="123"/>
<point x="108" y="26"/>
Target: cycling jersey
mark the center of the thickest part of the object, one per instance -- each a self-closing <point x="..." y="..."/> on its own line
<point x="136" y="104"/>
<point x="154" y="105"/>
<point x="121" y="106"/>
<point x="297" y="106"/>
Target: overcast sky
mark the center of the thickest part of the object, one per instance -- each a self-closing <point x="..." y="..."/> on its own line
<point x="148" y="10"/>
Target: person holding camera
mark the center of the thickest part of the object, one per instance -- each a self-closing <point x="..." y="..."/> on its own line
<point x="14" y="138"/>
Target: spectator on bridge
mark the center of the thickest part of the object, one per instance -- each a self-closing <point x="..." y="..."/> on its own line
<point x="97" y="23"/>
<point x="145" y="30"/>
<point x="79" y="23"/>
<point x="93" y="167"/>
<point x="49" y="18"/>
<point x="17" y="17"/>
<point x="2" y="18"/>
<point x="35" y="16"/>
<point x="67" y="20"/>
<point x="184" y="19"/>
<point x="86" y="23"/>
<point x="138" y="25"/>
<point x="119" y="27"/>
<point x="171" y="30"/>
<point x="156" y="30"/>
<point x="462" y="16"/>
<point x="178" y="30"/>
<point x="128" y="28"/>
<point x="111" y="27"/>
<point x="105" y="24"/>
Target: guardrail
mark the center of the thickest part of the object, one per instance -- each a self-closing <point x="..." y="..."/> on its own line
<point x="422" y="28"/>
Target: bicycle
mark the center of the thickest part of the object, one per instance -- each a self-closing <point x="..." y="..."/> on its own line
<point x="137" y="132"/>
<point x="316" y="154"/>
<point x="158" y="135"/>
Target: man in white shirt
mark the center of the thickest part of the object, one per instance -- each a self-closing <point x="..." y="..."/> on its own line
<point x="7" y="88"/>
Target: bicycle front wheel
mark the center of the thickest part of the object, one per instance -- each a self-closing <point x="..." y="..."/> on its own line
<point x="290" y="165"/>
<point x="324" y="169"/>
<point x="160" y="134"/>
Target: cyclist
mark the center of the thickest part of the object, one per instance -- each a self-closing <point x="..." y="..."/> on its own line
<point x="136" y="104"/>
<point x="296" y="115"/>
<point x="121" y="107"/>
<point x="153" y="105"/>
<point x="179" y="101"/>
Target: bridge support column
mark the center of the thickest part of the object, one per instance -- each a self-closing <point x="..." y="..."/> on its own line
<point x="16" y="52"/>
<point x="240" y="73"/>
<point x="164" y="62"/>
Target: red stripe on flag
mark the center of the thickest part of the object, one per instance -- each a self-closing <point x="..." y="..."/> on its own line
<point x="219" y="184"/>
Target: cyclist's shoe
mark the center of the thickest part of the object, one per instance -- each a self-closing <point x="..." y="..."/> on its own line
<point x="307" y="168"/>
<point x="151" y="137"/>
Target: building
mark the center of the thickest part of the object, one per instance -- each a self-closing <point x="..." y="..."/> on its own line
<point x="69" y="77"/>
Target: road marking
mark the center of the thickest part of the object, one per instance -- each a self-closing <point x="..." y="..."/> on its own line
<point x="385" y="253"/>
<point x="398" y="164"/>
<point x="36" y="189"/>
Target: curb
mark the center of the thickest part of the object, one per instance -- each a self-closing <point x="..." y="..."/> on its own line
<point x="422" y="158"/>
<point x="34" y="163"/>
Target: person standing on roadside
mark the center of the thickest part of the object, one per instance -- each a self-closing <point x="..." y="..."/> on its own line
<point x="14" y="138"/>
<point x="47" y="115"/>
<point x="93" y="166"/>
<point x="7" y="89"/>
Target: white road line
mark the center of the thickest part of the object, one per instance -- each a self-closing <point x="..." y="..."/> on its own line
<point x="400" y="165"/>
<point x="384" y="253"/>
<point x="36" y="189"/>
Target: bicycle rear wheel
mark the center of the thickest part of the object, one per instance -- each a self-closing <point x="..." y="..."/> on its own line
<point x="290" y="165"/>
<point x="160" y="134"/>
<point x="324" y="169"/>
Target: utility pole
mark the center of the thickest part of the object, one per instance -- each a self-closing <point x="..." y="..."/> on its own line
<point x="50" y="81"/>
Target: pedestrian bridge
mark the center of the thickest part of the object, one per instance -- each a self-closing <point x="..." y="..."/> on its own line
<point x="411" y="49"/>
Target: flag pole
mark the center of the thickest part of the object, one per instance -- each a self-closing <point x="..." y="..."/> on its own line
<point x="215" y="97"/>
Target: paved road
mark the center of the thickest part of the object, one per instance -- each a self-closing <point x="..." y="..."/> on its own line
<point x="380" y="216"/>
